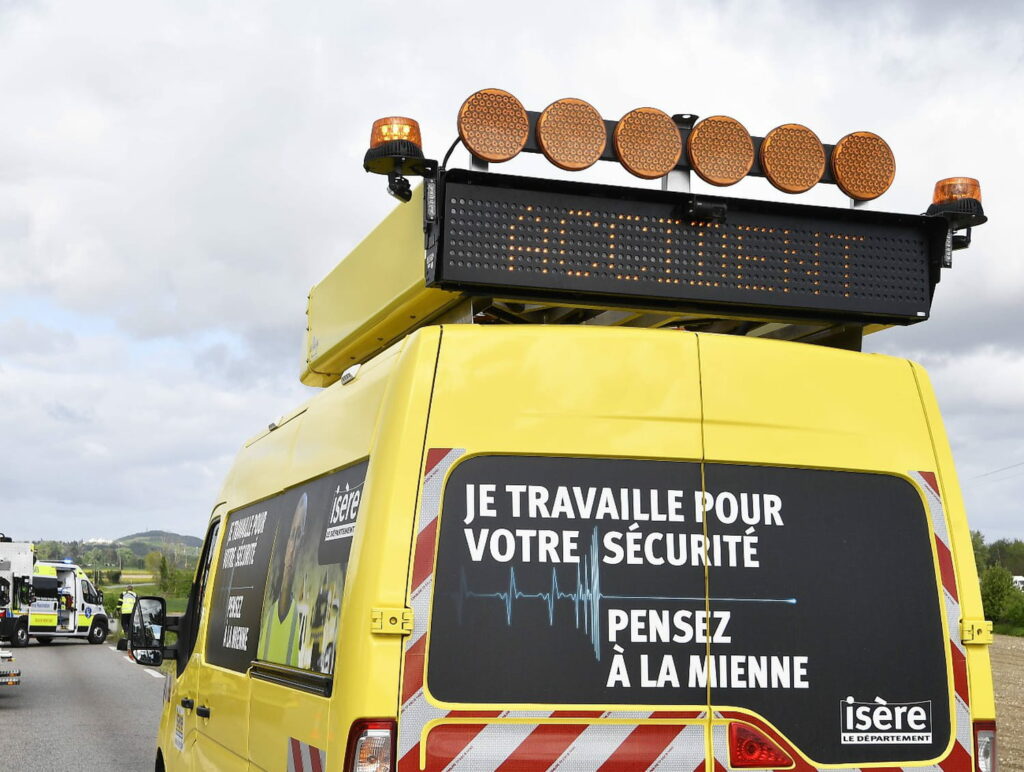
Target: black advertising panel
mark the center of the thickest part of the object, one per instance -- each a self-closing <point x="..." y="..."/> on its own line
<point x="582" y="581"/>
<point x="853" y="627"/>
<point x="522" y="237"/>
<point x="537" y="580"/>
<point x="281" y="573"/>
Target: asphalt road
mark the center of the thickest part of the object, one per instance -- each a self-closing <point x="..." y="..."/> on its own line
<point x="81" y="708"/>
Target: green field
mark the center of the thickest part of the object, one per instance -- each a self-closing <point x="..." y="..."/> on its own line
<point x="132" y="577"/>
<point x="175" y="604"/>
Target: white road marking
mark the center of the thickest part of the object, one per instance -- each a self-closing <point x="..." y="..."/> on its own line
<point x="112" y="648"/>
<point x="129" y="659"/>
<point x="155" y="674"/>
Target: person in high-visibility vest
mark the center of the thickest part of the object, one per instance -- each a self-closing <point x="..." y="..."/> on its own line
<point x="128" y="598"/>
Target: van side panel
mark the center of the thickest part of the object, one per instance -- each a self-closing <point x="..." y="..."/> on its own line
<point x="335" y="431"/>
<point x="368" y="669"/>
<point x="222" y="741"/>
<point x="979" y="669"/>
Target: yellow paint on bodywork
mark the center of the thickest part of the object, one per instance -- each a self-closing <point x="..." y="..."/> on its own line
<point x="560" y="391"/>
<point x="979" y="667"/>
<point x="368" y="300"/>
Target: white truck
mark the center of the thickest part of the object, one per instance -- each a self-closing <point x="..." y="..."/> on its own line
<point x="16" y="563"/>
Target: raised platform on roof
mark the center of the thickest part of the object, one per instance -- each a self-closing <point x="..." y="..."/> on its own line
<point x="493" y="249"/>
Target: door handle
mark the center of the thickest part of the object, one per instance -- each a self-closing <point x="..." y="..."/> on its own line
<point x="203" y="711"/>
<point x="187" y="703"/>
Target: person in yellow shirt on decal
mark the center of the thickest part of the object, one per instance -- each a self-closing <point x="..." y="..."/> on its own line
<point x="279" y="630"/>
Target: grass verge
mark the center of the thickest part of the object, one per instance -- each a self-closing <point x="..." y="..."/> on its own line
<point x="1007" y="629"/>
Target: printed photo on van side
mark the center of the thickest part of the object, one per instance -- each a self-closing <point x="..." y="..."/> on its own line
<point x="278" y="596"/>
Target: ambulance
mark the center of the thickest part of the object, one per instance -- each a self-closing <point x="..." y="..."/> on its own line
<point x="65" y="604"/>
<point x="599" y="478"/>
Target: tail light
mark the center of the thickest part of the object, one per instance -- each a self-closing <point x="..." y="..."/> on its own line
<point x="371" y="746"/>
<point x="750" y="749"/>
<point x="985" y="746"/>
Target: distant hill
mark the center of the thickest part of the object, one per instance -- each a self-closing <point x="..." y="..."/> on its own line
<point x="141" y="543"/>
<point x="167" y="537"/>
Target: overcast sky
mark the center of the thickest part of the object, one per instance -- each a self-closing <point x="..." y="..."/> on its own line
<point x="175" y="176"/>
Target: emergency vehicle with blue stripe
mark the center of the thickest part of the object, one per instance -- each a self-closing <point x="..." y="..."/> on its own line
<point x="46" y="599"/>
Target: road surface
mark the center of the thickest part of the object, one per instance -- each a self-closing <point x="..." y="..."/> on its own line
<point x="79" y="707"/>
<point x="1008" y="674"/>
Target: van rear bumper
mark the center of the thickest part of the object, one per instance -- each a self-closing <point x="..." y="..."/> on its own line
<point x="580" y="740"/>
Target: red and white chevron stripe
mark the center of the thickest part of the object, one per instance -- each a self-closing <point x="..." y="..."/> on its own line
<point x="303" y="757"/>
<point x="960" y="758"/>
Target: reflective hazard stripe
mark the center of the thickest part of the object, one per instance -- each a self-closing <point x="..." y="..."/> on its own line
<point x="416" y="711"/>
<point x="303" y="757"/>
<point x="686" y="751"/>
<point x="961" y="756"/>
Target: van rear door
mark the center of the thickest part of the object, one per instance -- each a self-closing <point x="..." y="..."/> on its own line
<point x="839" y="644"/>
<point x="561" y="468"/>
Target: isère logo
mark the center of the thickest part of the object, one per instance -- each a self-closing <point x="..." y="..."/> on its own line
<point x="881" y="722"/>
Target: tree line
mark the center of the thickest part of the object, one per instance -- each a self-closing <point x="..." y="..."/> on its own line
<point x="998" y="563"/>
<point x="116" y="555"/>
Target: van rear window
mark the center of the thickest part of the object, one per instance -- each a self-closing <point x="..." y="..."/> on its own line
<point x="576" y="581"/>
<point x="281" y="573"/>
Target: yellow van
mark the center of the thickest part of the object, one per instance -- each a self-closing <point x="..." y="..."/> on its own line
<point x="556" y="510"/>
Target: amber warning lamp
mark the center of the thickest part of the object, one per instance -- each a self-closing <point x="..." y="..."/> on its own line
<point x="396" y="149"/>
<point x="958" y="199"/>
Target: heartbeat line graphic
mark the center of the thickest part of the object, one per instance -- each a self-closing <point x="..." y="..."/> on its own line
<point x="585" y="598"/>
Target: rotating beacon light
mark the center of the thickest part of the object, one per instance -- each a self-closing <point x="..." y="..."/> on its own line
<point x="958" y="199"/>
<point x="396" y="149"/>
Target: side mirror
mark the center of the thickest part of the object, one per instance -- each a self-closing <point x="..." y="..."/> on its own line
<point x="99" y="597"/>
<point x="146" y="633"/>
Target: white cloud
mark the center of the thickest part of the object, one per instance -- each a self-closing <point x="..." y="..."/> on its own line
<point x="104" y="435"/>
<point x="174" y="177"/>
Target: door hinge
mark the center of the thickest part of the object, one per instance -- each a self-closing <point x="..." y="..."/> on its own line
<point x="391" y="621"/>
<point x="976" y="631"/>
